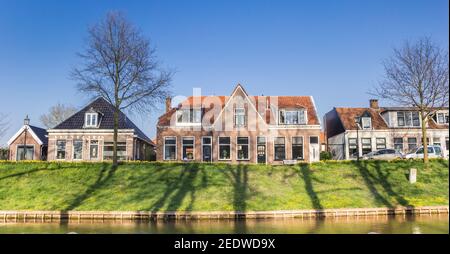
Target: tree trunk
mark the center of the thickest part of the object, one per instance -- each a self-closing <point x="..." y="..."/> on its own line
<point x="116" y="130"/>
<point x="423" y="119"/>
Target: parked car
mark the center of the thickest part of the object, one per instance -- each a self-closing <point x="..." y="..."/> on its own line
<point x="383" y="154"/>
<point x="433" y="152"/>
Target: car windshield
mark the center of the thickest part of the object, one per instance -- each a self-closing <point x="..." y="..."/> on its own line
<point x="420" y="150"/>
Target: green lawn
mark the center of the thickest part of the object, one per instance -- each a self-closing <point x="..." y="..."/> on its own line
<point x="219" y="187"/>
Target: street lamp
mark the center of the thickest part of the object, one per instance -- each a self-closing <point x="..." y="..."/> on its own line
<point x="358" y="123"/>
<point x="26" y="122"/>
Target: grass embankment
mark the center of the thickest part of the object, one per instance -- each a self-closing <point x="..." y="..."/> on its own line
<point x="219" y="187"/>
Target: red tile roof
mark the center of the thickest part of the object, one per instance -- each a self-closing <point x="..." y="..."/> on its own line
<point x="281" y="102"/>
<point x="347" y="117"/>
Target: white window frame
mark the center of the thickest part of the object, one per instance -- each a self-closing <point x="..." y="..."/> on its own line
<point x="98" y="149"/>
<point x="444" y="114"/>
<point x="408" y="116"/>
<point x="241" y="114"/>
<point x="210" y="144"/>
<point x="193" y="147"/>
<point x="56" y="149"/>
<point x="256" y="147"/>
<point x="303" y="146"/>
<point x="89" y="123"/>
<point x="248" y="145"/>
<point x="369" y="121"/>
<point x="73" y="149"/>
<point x="305" y="116"/>
<point x="191" y="110"/>
<point x="376" y="144"/>
<point x="285" y="157"/>
<point x="164" y="148"/>
<point x="34" y="150"/>
<point x="218" y="148"/>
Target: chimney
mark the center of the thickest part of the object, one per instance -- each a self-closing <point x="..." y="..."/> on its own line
<point x="374" y="104"/>
<point x="168" y="104"/>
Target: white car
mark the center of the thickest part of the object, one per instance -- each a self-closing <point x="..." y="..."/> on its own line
<point x="383" y="154"/>
<point x="433" y="152"/>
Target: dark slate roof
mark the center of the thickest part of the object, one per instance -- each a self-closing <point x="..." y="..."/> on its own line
<point x="40" y="133"/>
<point x="106" y="118"/>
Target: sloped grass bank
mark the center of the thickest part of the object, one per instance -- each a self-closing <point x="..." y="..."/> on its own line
<point x="219" y="187"/>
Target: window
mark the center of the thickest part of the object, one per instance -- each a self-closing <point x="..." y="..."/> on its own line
<point x="60" y="149"/>
<point x="398" y="144"/>
<point x="292" y="117"/>
<point x="408" y="119"/>
<point x="438" y="150"/>
<point x="239" y="117"/>
<point x="442" y="118"/>
<point x="108" y="150"/>
<point x="188" y="148"/>
<point x="437" y="141"/>
<point x="366" y="145"/>
<point x="207" y="148"/>
<point x="401" y="118"/>
<point x="93" y="149"/>
<point x="77" y="149"/>
<point x="224" y="148"/>
<point x="90" y="120"/>
<point x="25" y="154"/>
<point x="366" y="122"/>
<point x="170" y="148"/>
<point x="381" y="143"/>
<point x="279" y="148"/>
<point x="297" y="148"/>
<point x="352" y="147"/>
<point x="189" y="116"/>
<point x="242" y="148"/>
<point x="446" y="143"/>
<point x="412" y="143"/>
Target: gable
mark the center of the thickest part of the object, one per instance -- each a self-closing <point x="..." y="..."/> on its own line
<point x="38" y="134"/>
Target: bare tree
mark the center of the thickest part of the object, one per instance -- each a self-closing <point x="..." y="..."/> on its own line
<point x="416" y="75"/>
<point x="57" y="114"/>
<point x="119" y="65"/>
<point x="3" y="125"/>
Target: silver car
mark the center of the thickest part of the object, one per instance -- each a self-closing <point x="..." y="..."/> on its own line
<point x="383" y="154"/>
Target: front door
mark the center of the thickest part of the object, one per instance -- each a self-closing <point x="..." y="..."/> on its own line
<point x="207" y="153"/>
<point x="314" y="151"/>
<point x="261" y="153"/>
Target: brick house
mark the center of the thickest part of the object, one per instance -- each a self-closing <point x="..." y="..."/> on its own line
<point x="381" y="127"/>
<point x="240" y="129"/>
<point x="29" y="143"/>
<point x="88" y="136"/>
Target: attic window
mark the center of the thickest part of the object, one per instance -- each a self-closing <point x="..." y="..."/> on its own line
<point x="292" y="116"/>
<point x="91" y="120"/>
<point x="366" y="123"/>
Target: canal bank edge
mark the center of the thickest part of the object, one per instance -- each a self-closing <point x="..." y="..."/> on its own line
<point x="51" y="216"/>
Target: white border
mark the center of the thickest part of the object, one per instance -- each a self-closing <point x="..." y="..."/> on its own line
<point x="211" y="145"/>
<point x="164" y="148"/>
<point x="193" y="147"/>
<point x="248" y="145"/>
<point x="265" y="148"/>
<point x="218" y="148"/>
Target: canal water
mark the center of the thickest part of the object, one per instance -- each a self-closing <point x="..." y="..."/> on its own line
<point x="419" y="224"/>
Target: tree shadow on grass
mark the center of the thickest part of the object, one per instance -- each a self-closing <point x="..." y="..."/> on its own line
<point x="305" y="174"/>
<point x="105" y="174"/>
<point x="238" y="177"/>
<point x="379" y="178"/>
<point x="184" y="185"/>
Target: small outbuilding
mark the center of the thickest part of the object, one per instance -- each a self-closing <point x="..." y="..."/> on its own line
<point x="29" y="143"/>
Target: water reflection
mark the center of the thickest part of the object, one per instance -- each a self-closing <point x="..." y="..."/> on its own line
<point x="423" y="224"/>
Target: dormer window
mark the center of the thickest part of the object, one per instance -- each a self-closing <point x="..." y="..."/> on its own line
<point x="91" y="120"/>
<point x="189" y="116"/>
<point x="442" y="118"/>
<point x="366" y="123"/>
<point x="292" y="116"/>
<point x="408" y="119"/>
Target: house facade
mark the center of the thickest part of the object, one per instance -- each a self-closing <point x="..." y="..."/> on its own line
<point x="88" y="136"/>
<point x="240" y="129"/>
<point x="28" y="143"/>
<point x="353" y="131"/>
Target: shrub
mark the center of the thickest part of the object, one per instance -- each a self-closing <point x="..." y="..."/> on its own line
<point x="325" y="155"/>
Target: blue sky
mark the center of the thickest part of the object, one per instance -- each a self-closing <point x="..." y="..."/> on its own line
<point x="331" y="50"/>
